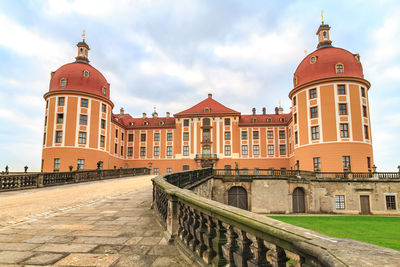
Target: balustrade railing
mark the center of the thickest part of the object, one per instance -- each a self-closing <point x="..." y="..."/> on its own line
<point x="27" y="181"/>
<point x="212" y="233"/>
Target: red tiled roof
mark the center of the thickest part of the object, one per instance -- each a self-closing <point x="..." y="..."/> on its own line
<point x="324" y="67"/>
<point x="263" y="119"/>
<point x="214" y="106"/>
<point x="129" y="122"/>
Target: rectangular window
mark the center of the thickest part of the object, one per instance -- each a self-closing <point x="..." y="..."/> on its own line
<point x="342" y="109"/>
<point x="244" y="135"/>
<point x="391" y="202"/>
<point x="169" y="170"/>
<point x="270" y="150"/>
<point x="317" y="163"/>
<point x="142" y="137"/>
<point x="122" y="136"/>
<point x="61" y="101"/>
<point x="130" y="151"/>
<point x="255" y="135"/>
<point x="339" y="202"/>
<point x="227" y="135"/>
<point x="156" y="137"/>
<point x="169" y="136"/>
<point x="44" y="138"/>
<point x="227" y="121"/>
<point x="344" y="130"/>
<point x="60" y="118"/>
<point x="244" y="149"/>
<point x="186" y="150"/>
<point x="83" y="119"/>
<point x="270" y="135"/>
<point x="169" y="150"/>
<point x="156" y="151"/>
<point x="227" y="150"/>
<point x="116" y="133"/>
<point x="295" y="118"/>
<point x="103" y="124"/>
<point x="130" y="137"/>
<point x="185" y="136"/>
<point x="313" y="93"/>
<point x="282" y="149"/>
<point x="156" y="171"/>
<point x="122" y="150"/>
<point x="315" y="132"/>
<point x="115" y="148"/>
<point x="81" y="164"/>
<point x="56" y="164"/>
<point x="346" y="161"/>
<point x="58" y="136"/>
<point x="103" y="107"/>
<point x="102" y="140"/>
<point x="294" y="101"/>
<point x="256" y="150"/>
<point x="341" y="88"/>
<point x="296" y="138"/>
<point x="362" y="91"/>
<point x="82" y="138"/>
<point x="84" y="103"/>
<point x="366" y="132"/>
<point x="364" y="108"/>
<point x="281" y="134"/>
<point x="185" y="168"/>
<point x="142" y="151"/>
<point x="314" y="112"/>
<point x="369" y="162"/>
<point x="185" y="122"/>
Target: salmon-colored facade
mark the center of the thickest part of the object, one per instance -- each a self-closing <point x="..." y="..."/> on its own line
<point x="327" y="129"/>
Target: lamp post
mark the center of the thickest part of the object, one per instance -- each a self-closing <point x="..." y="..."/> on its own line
<point x="26" y="169"/>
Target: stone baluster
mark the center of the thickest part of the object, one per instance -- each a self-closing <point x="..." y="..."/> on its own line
<point x="230" y="246"/>
<point x="297" y="260"/>
<point x="172" y="217"/>
<point x="218" y="241"/>
<point x="200" y="234"/>
<point x="193" y="228"/>
<point x="259" y="252"/>
<point x="208" y="237"/>
<point x="182" y="220"/>
<point x="188" y="223"/>
<point x="243" y="252"/>
<point x="277" y="256"/>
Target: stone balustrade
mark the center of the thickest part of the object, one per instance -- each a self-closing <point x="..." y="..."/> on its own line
<point x="28" y="181"/>
<point x="212" y="233"/>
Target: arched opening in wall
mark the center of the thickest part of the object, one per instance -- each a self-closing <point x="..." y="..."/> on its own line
<point x="206" y="122"/>
<point x="299" y="203"/>
<point x="237" y="197"/>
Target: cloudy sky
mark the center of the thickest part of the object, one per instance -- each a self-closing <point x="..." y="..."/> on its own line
<point x="172" y="53"/>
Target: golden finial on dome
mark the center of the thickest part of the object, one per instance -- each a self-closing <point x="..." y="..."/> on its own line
<point x="305" y="51"/>
<point x="83" y="35"/>
<point x="322" y="16"/>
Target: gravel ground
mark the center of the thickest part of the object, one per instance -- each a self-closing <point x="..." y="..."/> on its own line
<point x="19" y="206"/>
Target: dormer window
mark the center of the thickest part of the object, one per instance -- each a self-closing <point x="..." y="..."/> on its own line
<point x="86" y="73"/>
<point x="269" y="120"/>
<point x="63" y="82"/>
<point x="313" y="59"/>
<point x="206" y="109"/>
<point x="254" y="120"/>
<point x="295" y="81"/>
<point x="357" y="56"/>
<point x="104" y="91"/>
<point x="145" y="123"/>
<point x="161" y="123"/>
<point x="339" y="68"/>
<point x="282" y="119"/>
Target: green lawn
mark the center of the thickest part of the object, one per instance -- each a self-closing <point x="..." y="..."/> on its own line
<point x="381" y="231"/>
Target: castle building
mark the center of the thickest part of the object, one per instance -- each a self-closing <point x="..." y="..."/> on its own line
<point x="328" y="128"/>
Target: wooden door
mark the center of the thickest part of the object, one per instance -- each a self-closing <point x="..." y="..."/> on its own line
<point x="299" y="205"/>
<point x="364" y="201"/>
<point x="237" y="197"/>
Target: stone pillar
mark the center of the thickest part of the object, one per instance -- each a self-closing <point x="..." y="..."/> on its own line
<point x="172" y="217"/>
<point x="76" y="177"/>
<point x="40" y="180"/>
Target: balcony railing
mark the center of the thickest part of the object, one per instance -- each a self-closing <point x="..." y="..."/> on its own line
<point x="206" y="156"/>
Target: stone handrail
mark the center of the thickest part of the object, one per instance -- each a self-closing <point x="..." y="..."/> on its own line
<point x="28" y="181"/>
<point x="278" y="173"/>
<point x="212" y="233"/>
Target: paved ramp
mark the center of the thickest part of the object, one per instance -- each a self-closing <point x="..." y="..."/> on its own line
<point x="105" y="223"/>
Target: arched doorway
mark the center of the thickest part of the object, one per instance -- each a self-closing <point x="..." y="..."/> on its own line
<point x="299" y="203"/>
<point x="237" y="197"/>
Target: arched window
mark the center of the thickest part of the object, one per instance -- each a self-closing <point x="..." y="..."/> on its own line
<point x="237" y="197"/>
<point x="325" y="35"/>
<point x="313" y="59"/>
<point x="86" y="73"/>
<point x="206" y="122"/>
<point x="339" y="68"/>
<point x="295" y="81"/>
<point x="63" y="82"/>
<point x="299" y="205"/>
<point x="104" y="91"/>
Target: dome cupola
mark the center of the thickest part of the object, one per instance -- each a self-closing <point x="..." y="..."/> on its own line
<point x="83" y="50"/>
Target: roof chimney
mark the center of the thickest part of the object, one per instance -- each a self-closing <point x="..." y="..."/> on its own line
<point x="276" y="110"/>
<point x="121" y="111"/>
<point x="144" y="115"/>
<point x="264" y="110"/>
<point x="209" y="95"/>
<point x="254" y="111"/>
<point x="168" y="114"/>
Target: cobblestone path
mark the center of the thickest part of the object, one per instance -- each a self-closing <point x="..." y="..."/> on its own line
<point x="114" y="231"/>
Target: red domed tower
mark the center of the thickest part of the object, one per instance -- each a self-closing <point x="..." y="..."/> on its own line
<point x="330" y="130"/>
<point x="78" y="116"/>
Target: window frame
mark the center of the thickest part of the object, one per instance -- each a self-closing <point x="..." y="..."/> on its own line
<point x="344" y="130"/>
<point x="156" y="137"/>
<point x="185" y="136"/>
<point x="390" y="201"/>
<point x="83" y="119"/>
<point x="227" y="151"/>
<point x="270" y="148"/>
<point x="169" y="136"/>
<point x="314" y="112"/>
<point x="169" y="151"/>
<point x="342" y="111"/>
<point x="340" y="202"/>
<point x="156" y="151"/>
<point x="282" y="150"/>
<point x="142" y="151"/>
<point x="256" y="150"/>
<point x="142" y="137"/>
<point x="341" y="89"/>
<point x="57" y="163"/>
<point x="186" y="150"/>
<point x="227" y="135"/>
<point x="245" y="150"/>
<point x="82" y="138"/>
<point x="312" y="93"/>
<point x="102" y="140"/>
<point x="244" y="135"/>
<point x="282" y="134"/>
<point x="270" y="134"/>
<point x="256" y="135"/>
<point x="84" y="103"/>
<point x="315" y="132"/>
<point x="58" y="139"/>
<point x="227" y="122"/>
<point x="61" y="101"/>
<point x="60" y="118"/>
